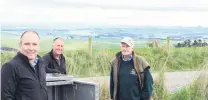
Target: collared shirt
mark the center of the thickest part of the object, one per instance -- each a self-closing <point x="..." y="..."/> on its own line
<point x="130" y="57"/>
<point x="34" y="63"/>
<point x="58" y="60"/>
<point x="54" y="66"/>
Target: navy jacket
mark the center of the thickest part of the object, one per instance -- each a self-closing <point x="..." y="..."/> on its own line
<point x="52" y="65"/>
<point x="20" y="81"/>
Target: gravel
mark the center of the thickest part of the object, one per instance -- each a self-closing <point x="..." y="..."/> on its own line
<point x="173" y="80"/>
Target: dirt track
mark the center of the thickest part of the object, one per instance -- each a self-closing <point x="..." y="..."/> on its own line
<point x="173" y="80"/>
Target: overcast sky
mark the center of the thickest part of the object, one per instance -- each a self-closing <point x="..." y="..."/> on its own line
<point x="111" y="12"/>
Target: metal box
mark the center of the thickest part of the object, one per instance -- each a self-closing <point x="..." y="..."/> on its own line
<point x="63" y="87"/>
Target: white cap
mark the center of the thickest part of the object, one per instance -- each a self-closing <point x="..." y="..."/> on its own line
<point x="128" y="41"/>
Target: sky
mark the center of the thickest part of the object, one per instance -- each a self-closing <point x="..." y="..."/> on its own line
<point x="106" y="12"/>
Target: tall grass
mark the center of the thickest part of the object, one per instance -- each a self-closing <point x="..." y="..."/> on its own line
<point x="6" y="56"/>
<point x="80" y="63"/>
<point x="198" y="90"/>
<point x="104" y="92"/>
<point x="159" y="92"/>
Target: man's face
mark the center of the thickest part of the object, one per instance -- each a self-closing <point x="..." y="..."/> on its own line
<point x="29" y="45"/>
<point x="126" y="49"/>
<point x="58" y="46"/>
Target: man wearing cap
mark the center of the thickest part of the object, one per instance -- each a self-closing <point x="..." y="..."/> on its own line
<point x="24" y="76"/>
<point x="130" y="78"/>
<point x="55" y="60"/>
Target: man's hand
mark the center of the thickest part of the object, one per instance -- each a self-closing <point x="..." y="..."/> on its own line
<point x="57" y="71"/>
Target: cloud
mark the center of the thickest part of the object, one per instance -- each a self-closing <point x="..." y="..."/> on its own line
<point x="147" y="5"/>
<point x="114" y="12"/>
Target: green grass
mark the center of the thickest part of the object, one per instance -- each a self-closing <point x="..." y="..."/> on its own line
<point x="80" y="63"/>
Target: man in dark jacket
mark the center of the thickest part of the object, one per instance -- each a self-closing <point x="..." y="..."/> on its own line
<point x="54" y="60"/>
<point x="24" y="77"/>
<point x="130" y="78"/>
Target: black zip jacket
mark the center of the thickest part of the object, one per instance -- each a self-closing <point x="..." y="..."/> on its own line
<point x="20" y="81"/>
<point x="52" y="65"/>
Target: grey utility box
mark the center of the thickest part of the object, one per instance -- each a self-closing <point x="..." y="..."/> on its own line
<point x="63" y="87"/>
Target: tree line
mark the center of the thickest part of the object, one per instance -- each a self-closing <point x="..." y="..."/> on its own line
<point x="195" y="43"/>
